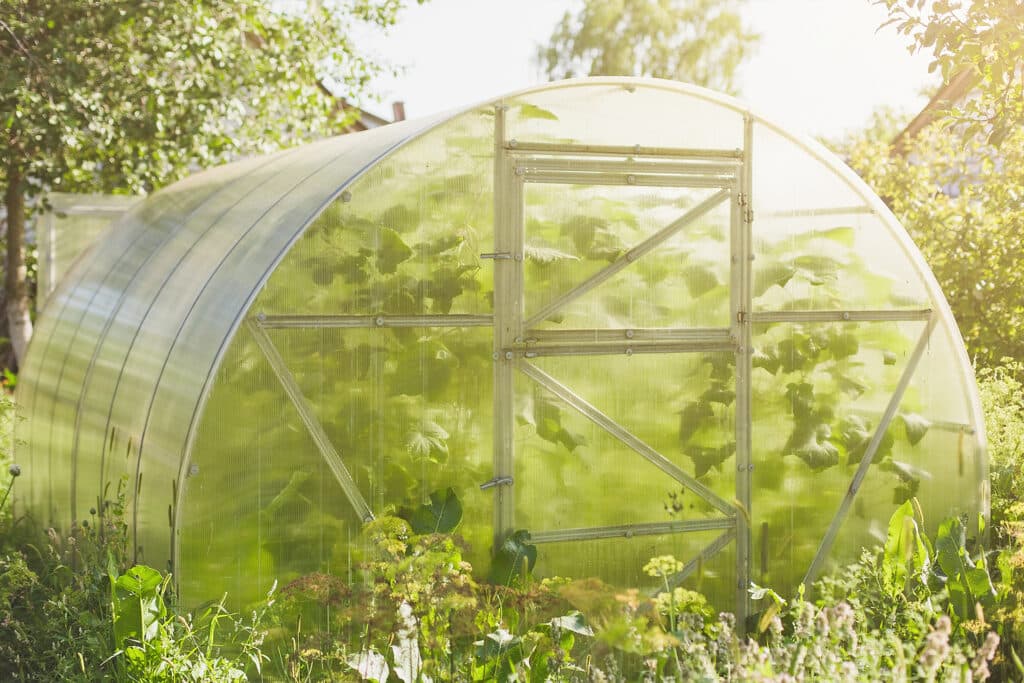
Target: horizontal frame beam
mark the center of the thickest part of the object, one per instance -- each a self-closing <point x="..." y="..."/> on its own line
<point x="624" y="178"/>
<point x="811" y="213"/>
<point x="615" y="429"/>
<point x="631" y="530"/>
<point x="627" y="349"/>
<point x="708" y="334"/>
<point x="629" y="257"/>
<point x="528" y="165"/>
<point x="277" y="322"/>
<point x="878" y="316"/>
<point x="623" y="150"/>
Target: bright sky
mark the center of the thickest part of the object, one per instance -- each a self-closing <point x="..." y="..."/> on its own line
<point x="821" y="69"/>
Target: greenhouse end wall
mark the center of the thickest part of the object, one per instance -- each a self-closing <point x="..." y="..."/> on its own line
<point x="698" y="336"/>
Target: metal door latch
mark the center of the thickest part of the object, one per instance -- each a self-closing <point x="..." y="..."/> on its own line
<point x="497" y="255"/>
<point x="497" y="481"/>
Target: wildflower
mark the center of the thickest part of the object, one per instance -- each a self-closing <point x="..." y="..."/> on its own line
<point x="15" y="470"/>
<point x="936" y="647"/>
<point x="663" y="565"/>
<point x="821" y="623"/>
<point x="985" y="654"/>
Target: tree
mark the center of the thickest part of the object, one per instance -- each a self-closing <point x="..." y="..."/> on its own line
<point x="958" y="186"/>
<point x="126" y="96"/>
<point x="700" y="41"/>
<point x="982" y="37"/>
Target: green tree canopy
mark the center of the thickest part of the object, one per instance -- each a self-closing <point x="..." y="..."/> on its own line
<point x="982" y="37"/>
<point x="126" y="96"/>
<point x="699" y="41"/>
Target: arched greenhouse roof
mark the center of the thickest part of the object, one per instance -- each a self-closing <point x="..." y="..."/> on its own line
<point x="767" y="275"/>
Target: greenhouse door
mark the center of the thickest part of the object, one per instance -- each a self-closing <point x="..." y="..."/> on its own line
<point x="621" y="291"/>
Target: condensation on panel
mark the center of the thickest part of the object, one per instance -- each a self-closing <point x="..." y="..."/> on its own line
<point x="624" y="115"/>
<point x="576" y="234"/>
<point x="406" y="238"/>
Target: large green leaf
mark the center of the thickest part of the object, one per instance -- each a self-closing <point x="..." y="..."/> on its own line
<point x="442" y="515"/>
<point x="905" y="556"/>
<point x="916" y="427"/>
<point x="138" y="605"/>
<point x="391" y="250"/>
<point x="514" y="560"/>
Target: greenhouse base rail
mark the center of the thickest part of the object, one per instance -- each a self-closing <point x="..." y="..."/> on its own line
<point x="629" y="257"/>
<point x="631" y="530"/>
<point x="615" y="429"/>
<point x="316" y="430"/>
<point x="869" y="454"/>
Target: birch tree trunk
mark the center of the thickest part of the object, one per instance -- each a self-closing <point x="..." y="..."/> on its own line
<point x="19" y="321"/>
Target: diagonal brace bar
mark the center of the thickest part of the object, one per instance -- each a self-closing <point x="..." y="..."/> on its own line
<point x="869" y="453"/>
<point x="629" y="257"/>
<point x="609" y="425"/>
<point x="709" y="551"/>
<point x="316" y="430"/>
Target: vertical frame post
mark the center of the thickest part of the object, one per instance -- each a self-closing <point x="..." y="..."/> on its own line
<point x="507" y="319"/>
<point x="742" y="256"/>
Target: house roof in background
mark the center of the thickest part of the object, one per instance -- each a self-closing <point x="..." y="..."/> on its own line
<point x="953" y="91"/>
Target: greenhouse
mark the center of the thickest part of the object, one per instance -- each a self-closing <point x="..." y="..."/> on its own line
<point x="629" y="318"/>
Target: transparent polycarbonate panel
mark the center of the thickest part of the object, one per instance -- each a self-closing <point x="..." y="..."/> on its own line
<point x="65" y="337"/>
<point x="829" y="262"/>
<point x="949" y="465"/>
<point x="106" y="442"/>
<point x="407" y="237"/>
<point x="203" y="312"/>
<point x="572" y="473"/>
<point x="169" y="323"/>
<point x="624" y="114"/>
<point x="820" y="392"/>
<point x="408" y="412"/>
<point x="408" y="409"/>
<point x="72" y="225"/>
<point x="817" y="243"/>
<point x="575" y="235"/>
<point x="259" y="503"/>
<point x="130" y="344"/>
